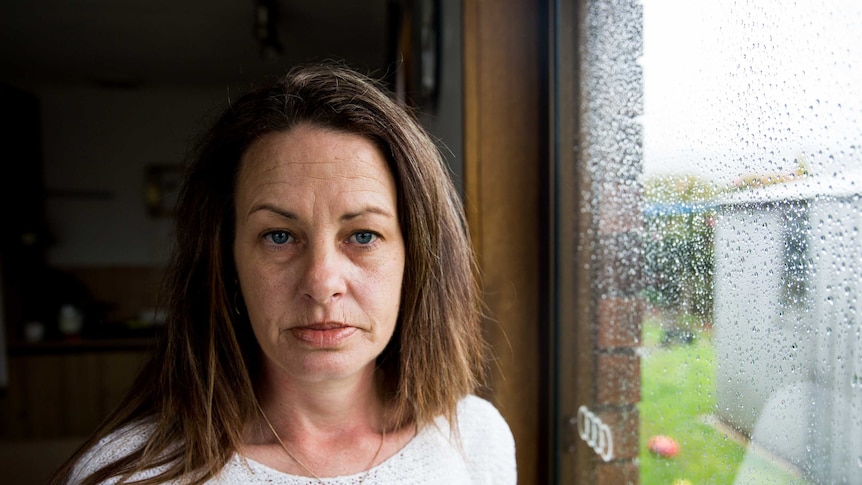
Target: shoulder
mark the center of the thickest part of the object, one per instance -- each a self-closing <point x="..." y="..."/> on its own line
<point x="110" y="449"/>
<point x="482" y="452"/>
<point x="487" y="441"/>
<point x="479" y="420"/>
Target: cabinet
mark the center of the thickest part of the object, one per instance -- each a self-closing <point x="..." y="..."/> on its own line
<point x="64" y="389"/>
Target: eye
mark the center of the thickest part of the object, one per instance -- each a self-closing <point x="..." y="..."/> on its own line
<point x="278" y="237"/>
<point x="363" y="237"/>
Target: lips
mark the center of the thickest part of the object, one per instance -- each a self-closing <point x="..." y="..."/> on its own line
<point x="323" y="335"/>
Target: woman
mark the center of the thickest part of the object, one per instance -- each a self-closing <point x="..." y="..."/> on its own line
<point x="323" y="316"/>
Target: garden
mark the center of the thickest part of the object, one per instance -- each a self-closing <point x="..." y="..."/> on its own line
<point x="677" y="402"/>
<point x="681" y="440"/>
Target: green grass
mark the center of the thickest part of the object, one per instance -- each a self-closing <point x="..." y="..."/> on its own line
<point x="677" y="391"/>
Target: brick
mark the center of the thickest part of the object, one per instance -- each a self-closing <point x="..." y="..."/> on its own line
<point x="619" y="208"/>
<point x="619" y="321"/>
<point x="618" y="379"/>
<point x="625" y="426"/>
<point x="620" y="269"/>
<point x="624" y="473"/>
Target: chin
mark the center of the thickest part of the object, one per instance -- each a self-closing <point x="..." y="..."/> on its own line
<point x="332" y="365"/>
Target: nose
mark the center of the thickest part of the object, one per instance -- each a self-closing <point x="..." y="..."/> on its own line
<point x="323" y="278"/>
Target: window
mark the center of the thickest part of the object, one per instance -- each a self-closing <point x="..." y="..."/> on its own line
<point x="709" y="256"/>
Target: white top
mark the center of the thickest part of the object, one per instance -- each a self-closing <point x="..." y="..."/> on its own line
<point x="486" y="456"/>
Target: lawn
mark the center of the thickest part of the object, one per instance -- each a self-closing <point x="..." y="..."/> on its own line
<point x="677" y="393"/>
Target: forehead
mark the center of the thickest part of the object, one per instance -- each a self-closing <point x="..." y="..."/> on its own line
<point x="307" y="143"/>
<point x="311" y="155"/>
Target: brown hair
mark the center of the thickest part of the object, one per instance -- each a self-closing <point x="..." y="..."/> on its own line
<point x="197" y="389"/>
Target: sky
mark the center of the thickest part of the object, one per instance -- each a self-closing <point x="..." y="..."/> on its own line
<point x="749" y="86"/>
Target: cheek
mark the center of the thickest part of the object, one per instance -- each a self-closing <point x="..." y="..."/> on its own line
<point x="390" y="286"/>
<point x="264" y="290"/>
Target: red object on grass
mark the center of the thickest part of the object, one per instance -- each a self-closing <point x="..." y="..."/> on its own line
<point x="664" y="446"/>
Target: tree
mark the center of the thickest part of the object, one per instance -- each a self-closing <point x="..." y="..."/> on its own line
<point x="678" y="245"/>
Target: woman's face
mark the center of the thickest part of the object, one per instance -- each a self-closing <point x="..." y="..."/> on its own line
<point x="318" y="250"/>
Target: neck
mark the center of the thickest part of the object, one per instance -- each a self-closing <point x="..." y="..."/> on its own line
<point x="297" y="407"/>
<point x="327" y="428"/>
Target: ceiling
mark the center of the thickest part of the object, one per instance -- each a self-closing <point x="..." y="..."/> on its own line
<point x="179" y="42"/>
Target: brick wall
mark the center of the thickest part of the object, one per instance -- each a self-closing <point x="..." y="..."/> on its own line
<point x="611" y="139"/>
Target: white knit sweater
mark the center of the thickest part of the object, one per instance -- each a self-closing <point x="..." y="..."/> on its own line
<point x="486" y="456"/>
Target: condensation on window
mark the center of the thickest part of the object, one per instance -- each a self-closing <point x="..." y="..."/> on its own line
<point x="749" y="161"/>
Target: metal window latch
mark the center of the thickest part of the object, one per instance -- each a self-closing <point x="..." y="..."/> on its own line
<point x="590" y="428"/>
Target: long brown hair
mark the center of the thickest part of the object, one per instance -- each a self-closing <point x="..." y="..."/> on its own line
<point x="197" y="390"/>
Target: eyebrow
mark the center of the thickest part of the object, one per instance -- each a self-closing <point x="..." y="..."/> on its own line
<point x="371" y="209"/>
<point x="273" y="209"/>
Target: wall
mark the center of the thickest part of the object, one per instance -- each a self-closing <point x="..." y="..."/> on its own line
<point x="445" y="121"/>
<point x="599" y="255"/>
<point x="787" y="372"/>
<point x="97" y="145"/>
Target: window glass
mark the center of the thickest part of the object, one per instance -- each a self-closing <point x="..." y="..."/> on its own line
<point x="751" y="348"/>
